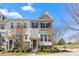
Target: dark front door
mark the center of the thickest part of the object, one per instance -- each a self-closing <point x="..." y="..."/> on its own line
<point x="10" y="43"/>
<point x="34" y="44"/>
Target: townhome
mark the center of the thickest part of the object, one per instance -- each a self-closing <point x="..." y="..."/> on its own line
<point x="26" y="33"/>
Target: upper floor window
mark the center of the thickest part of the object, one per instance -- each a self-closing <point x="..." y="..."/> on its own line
<point x="24" y="25"/>
<point x="18" y="24"/>
<point x="42" y="25"/>
<point x="45" y="25"/>
<point x="12" y="26"/>
<point x="34" y="25"/>
<point x="3" y="17"/>
<point x="0" y="16"/>
<point x="2" y="26"/>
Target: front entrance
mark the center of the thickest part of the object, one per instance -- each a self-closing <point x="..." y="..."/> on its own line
<point x="34" y="44"/>
<point x="10" y="44"/>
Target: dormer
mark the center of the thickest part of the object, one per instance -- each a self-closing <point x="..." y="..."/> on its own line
<point x="2" y="17"/>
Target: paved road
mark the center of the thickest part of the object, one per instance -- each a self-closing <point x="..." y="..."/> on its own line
<point x="74" y="52"/>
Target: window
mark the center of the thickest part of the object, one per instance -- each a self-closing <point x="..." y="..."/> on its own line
<point x="42" y="25"/>
<point x="49" y="39"/>
<point x="34" y="25"/>
<point x="24" y="25"/>
<point x="41" y="37"/>
<point x="25" y="36"/>
<point x="45" y="37"/>
<point x="2" y="39"/>
<point x="2" y="26"/>
<point x="18" y="24"/>
<point x="45" y="25"/>
<point x="0" y="16"/>
<point x="12" y="25"/>
<point x="3" y="17"/>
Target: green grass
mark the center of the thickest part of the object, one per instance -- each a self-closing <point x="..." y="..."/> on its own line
<point x="68" y="46"/>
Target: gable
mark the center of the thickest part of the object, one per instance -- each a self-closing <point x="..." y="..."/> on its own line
<point x="46" y="15"/>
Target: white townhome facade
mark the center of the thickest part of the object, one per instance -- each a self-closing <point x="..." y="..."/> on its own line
<point x="26" y="32"/>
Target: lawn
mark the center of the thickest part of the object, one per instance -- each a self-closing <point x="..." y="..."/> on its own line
<point x="13" y="54"/>
<point x="70" y="46"/>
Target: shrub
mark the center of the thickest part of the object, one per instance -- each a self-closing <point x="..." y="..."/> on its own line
<point x="2" y="49"/>
<point x="14" y="49"/>
<point x="9" y="50"/>
<point x="44" y="50"/>
<point x="61" y="41"/>
<point x="23" y="50"/>
<point x="55" y="50"/>
<point x="17" y="50"/>
<point x="29" y="50"/>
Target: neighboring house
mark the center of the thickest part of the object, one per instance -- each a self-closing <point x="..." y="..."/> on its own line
<point x="34" y="33"/>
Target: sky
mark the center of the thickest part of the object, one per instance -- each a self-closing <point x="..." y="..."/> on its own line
<point x="35" y="10"/>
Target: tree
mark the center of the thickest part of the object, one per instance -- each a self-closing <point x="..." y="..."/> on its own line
<point x="19" y="36"/>
<point x="72" y="11"/>
<point x="61" y="41"/>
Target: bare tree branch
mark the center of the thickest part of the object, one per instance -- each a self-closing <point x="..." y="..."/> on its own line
<point x="68" y="25"/>
<point x="73" y="12"/>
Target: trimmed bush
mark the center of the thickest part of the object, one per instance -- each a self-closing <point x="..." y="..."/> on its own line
<point x="55" y="49"/>
<point x="29" y="50"/>
<point x="44" y="50"/>
<point x="2" y="49"/>
<point x="23" y="50"/>
<point x="17" y="50"/>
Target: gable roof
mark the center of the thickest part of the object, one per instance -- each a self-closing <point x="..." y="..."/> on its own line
<point x="46" y="15"/>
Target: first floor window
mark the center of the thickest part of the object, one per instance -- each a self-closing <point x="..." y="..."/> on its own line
<point x="45" y="37"/>
<point x="41" y="37"/>
<point x="3" y="39"/>
<point x="49" y="39"/>
<point x="12" y="25"/>
<point x="25" y="36"/>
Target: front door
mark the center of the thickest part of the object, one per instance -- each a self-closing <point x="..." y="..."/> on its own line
<point x="34" y="44"/>
<point x="10" y="44"/>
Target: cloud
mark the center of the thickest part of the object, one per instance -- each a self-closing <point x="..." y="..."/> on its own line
<point x="15" y="15"/>
<point x="8" y="14"/>
<point x="28" y="7"/>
